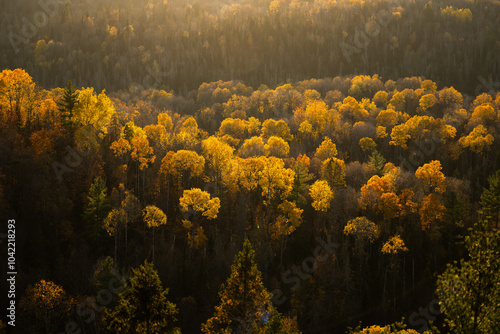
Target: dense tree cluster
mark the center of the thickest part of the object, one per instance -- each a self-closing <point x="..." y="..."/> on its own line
<point x="389" y="172"/>
<point x="179" y="44"/>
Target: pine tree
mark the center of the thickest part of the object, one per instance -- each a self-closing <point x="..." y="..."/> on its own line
<point x="245" y="303"/>
<point x="143" y="306"/>
<point x="490" y="199"/>
<point x="97" y="209"/>
<point x="67" y="105"/>
<point x="469" y="292"/>
<point x="377" y="161"/>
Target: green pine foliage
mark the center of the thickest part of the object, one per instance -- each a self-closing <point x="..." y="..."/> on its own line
<point x="245" y="305"/>
<point x="143" y="306"/>
<point x="97" y="209"/>
<point x="469" y="290"/>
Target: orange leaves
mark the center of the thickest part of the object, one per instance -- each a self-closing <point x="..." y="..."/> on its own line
<point x="46" y="305"/>
<point x="120" y="147"/>
<point x="431" y="211"/>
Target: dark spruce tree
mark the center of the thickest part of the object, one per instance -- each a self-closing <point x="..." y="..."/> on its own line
<point x="245" y="305"/>
<point x="66" y="107"/>
<point x="143" y="306"/>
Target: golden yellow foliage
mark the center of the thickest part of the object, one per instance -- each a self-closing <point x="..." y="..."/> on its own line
<point x="394" y="245"/>
<point x="478" y="140"/>
<point x="153" y="216"/>
<point x="199" y="201"/>
<point x="321" y="194"/>
<point x="432" y="176"/>
<point x="326" y="150"/>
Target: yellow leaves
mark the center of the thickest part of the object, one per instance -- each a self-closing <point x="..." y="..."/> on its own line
<point x="483" y="114"/>
<point x="114" y="219"/>
<point x="142" y="152"/>
<point x="94" y="110"/>
<point x="380" y="98"/>
<point x="153" y="216"/>
<point x="288" y="220"/>
<point x="478" y="140"/>
<point x="394" y="245"/>
<point x="158" y="135"/>
<point x="333" y="171"/>
<point x="388" y="118"/>
<point x="432" y="176"/>
<point x="362" y="228"/>
<point x="381" y="132"/>
<point x="431" y="210"/>
<point x="421" y="128"/>
<point x="326" y="150"/>
<point x="461" y="15"/>
<point x="351" y="109"/>
<point x="397" y="102"/>
<point x="399" y="136"/>
<point x="199" y="201"/>
<point x="217" y="153"/>
<point x="165" y="120"/>
<point x="17" y="91"/>
<point x="270" y="128"/>
<point x="188" y="135"/>
<point x="321" y="194"/>
<point x="277" y="147"/>
<point x="183" y="163"/>
<point x="367" y="144"/>
<point x="235" y="127"/>
<point x="427" y="101"/>
<point x="268" y="173"/>
<point x="450" y="97"/>
<point x="252" y="147"/>
<point x="428" y="85"/>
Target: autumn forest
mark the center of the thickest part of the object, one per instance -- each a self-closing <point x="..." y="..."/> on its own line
<point x="257" y="166"/>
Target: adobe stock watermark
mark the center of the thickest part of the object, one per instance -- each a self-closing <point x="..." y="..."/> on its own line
<point x="309" y="265"/>
<point x="487" y="86"/>
<point x="420" y="320"/>
<point x="91" y="306"/>
<point x="29" y="29"/>
<point x="425" y="149"/>
<point x="74" y="158"/>
<point x="363" y="36"/>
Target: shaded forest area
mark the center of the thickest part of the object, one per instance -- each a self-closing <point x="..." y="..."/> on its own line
<point x="182" y="158"/>
<point x="174" y="45"/>
<point x="355" y="193"/>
